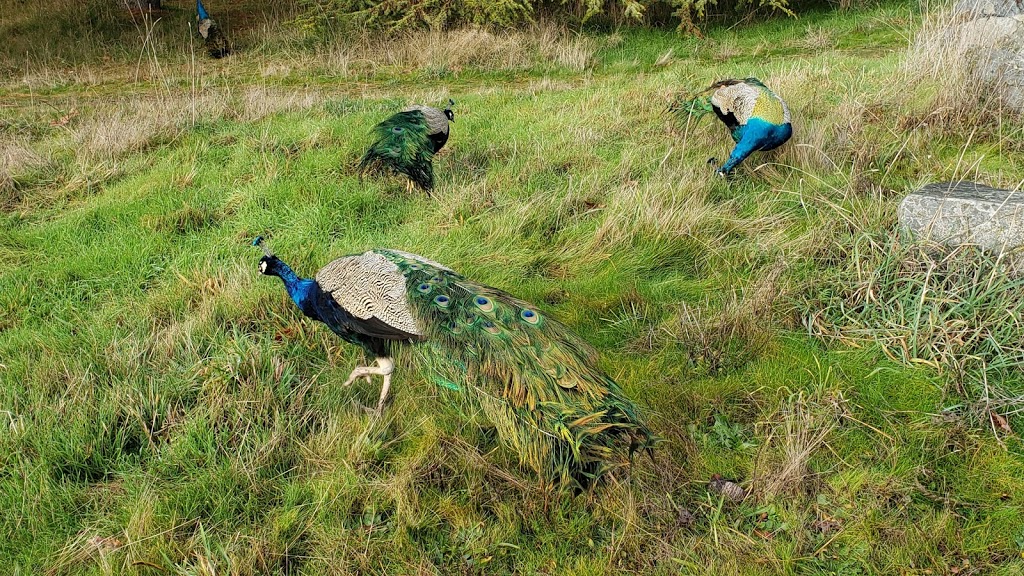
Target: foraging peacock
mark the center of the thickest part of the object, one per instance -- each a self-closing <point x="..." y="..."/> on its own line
<point x="216" y="42"/>
<point x="536" y="381"/>
<point x="756" y="117"/>
<point x="407" y="141"/>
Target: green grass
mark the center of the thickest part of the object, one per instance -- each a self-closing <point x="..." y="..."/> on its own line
<point x="164" y="409"/>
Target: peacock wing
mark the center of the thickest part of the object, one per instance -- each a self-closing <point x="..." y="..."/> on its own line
<point x="372" y="289"/>
<point x="437" y="122"/>
<point x="533" y="378"/>
<point x="736" y="98"/>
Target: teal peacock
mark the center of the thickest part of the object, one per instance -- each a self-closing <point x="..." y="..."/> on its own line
<point x="217" y="44"/>
<point x="535" y="380"/>
<point x="756" y="117"/>
<point x="407" y="141"/>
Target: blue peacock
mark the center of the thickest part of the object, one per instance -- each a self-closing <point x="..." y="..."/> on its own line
<point x="756" y="117"/>
<point x="217" y="44"/>
<point x="407" y="141"/>
<point x="533" y="379"/>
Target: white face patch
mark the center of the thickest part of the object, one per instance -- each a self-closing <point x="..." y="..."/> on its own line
<point x="263" y="266"/>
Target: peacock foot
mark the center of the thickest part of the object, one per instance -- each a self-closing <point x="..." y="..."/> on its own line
<point x="384" y="368"/>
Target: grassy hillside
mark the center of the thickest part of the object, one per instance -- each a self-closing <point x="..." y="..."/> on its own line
<point x="164" y="409"/>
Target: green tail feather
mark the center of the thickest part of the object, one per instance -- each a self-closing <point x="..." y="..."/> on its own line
<point x="403" y="146"/>
<point x="535" y="380"/>
<point x="695" y="107"/>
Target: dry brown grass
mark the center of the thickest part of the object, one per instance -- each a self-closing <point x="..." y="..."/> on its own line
<point x="108" y="131"/>
<point x="658" y="208"/>
<point x="454" y="50"/>
<point x="16" y="157"/>
<point x="726" y="337"/>
<point x="801" y="425"/>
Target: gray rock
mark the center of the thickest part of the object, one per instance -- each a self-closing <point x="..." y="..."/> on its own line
<point x="1006" y="72"/>
<point x="986" y="34"/>
<point x="955" y="213"/>
<point x="979" y="8"/>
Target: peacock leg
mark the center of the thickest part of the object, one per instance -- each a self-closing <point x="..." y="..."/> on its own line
<point x="384" y="368"/>
<point x="408" y="186"/>
<point x="387" y="366"/>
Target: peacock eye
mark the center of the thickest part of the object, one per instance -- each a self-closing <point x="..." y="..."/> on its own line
<point x="423" y="288"/>
<point x="442" y="300"/>
<point x="529" y="316"/>
<point x="483" y="303"/>
<point x="397" y="129"/>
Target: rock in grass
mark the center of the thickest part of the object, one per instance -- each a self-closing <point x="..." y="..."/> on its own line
<point x="956" y="213"/>
<point x="1006" y="69"/>
<point x="999" y="8"/>
<point x="727" y="488"/>
<point x="992" y="34"/>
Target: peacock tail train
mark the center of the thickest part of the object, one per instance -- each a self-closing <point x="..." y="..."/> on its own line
<point x="402" y="144"/>
<point x="535" y="380"/>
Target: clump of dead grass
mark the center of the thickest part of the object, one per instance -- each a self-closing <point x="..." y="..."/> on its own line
<point x="800" y="426"/>
<point x="16" y="158"/>
<point x="725" y="337"/>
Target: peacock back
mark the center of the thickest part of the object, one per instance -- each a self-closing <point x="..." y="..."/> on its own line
<point x="402" y="144"/>
<point x="749" y="98"/>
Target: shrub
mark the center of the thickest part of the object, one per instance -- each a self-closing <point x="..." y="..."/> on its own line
<point x="342" y="15"/>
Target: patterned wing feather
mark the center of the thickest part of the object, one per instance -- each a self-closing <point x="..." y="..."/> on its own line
<point x="372" y="289"/>
<point x="534" y="379"/>
<point x="402" y="144"/>
<point x="748" y="98"/>
<point x="437" y="122"/>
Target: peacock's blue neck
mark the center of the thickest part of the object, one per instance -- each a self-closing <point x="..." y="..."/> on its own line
<point x="201" y="10"/>
<point x="299" y="289"/>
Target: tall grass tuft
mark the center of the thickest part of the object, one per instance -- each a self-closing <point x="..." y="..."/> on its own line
<point x="960" y="311"/>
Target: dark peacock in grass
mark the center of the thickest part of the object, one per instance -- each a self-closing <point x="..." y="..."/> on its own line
<point x="407" y="141"/>
<point x="536" y="381"/>
<point x="756" y="117"/>
<point x="217" y="44"/>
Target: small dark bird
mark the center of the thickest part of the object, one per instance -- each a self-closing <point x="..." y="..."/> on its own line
<point x="407" y="141"/>
<point x="536" y="381"/>
<point x="216" y="42"/>
<point x="756" y="117"/>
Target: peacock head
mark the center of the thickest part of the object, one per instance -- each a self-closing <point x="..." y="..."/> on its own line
<point x="269" y="264"/>
<point x="448" y="111"/>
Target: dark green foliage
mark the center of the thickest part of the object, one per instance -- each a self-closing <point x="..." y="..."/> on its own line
<point x="402" y="145"/>
<point x="340" y="15"/>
